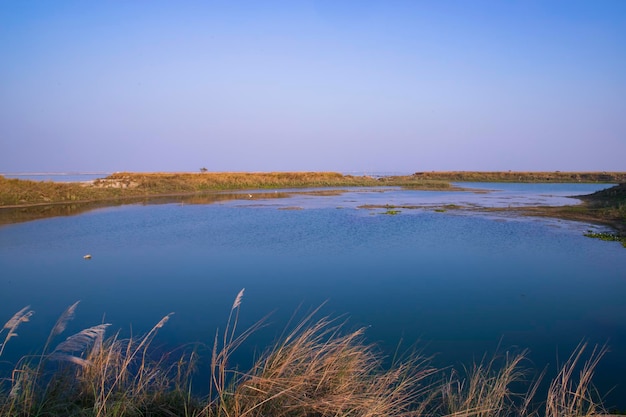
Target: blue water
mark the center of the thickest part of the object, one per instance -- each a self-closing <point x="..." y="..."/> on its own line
<point x="57" y="177"/>
<point x="458" y="283"/>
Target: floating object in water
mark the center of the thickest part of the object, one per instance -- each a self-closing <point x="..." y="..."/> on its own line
<point x="87" y="256"/>
<point x="249" y="195"/>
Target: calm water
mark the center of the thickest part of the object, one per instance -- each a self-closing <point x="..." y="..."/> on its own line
<point x="58" y="177"/>
<point x="460" y="281"/>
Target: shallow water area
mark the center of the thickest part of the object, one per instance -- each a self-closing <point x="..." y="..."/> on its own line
<point x="474" y="195"/>
<point x="457" y="282"/>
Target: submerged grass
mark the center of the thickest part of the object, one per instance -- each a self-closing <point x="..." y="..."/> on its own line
<point x="315" y="369"/>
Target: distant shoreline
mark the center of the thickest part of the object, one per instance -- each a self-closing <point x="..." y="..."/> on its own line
<point x="460" y="176"/>
<point x="39" y="174"/>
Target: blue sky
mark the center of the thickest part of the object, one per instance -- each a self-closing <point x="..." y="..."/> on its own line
<point x="352" y="86"/>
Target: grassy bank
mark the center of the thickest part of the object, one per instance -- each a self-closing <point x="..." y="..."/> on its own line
<point x="15" y="192"/>
<point x="606" y="207"/>
<point x="119" y="186"/>
<point x="523" y="176"/>
<point x="317" y="368"/>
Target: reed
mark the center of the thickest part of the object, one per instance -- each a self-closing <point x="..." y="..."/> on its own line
<point x="485" y="390"/>
<point x="316" y="368"/>
<point x="574" y="395"/>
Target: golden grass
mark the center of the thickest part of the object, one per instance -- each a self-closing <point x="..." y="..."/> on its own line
<point x="485" y="389"/>
<point x="523" y="176"/>
<point x="315" y="369"/>
<point x="193" y="182"/>
<point x="124" y="186"/>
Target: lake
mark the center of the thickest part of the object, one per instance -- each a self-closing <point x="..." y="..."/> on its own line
<point x="459" y="282"/>
<point x="57" y="176"/>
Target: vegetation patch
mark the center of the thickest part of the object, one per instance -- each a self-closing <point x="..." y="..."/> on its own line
<point x="21" y="193"/>
<point x="523" y="176"/>
<point x="447" y="207"/>
<point x="316" y="369"/>
<point x="607" y="207"/>
<point x="609" y="237"/>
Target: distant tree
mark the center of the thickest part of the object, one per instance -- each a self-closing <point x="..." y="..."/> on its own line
<point x="203" y="169"/>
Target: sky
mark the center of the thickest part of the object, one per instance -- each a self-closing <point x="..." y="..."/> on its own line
<point x="312" y="85"/>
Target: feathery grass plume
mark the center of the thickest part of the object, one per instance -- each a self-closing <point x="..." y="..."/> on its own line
<point x="80" y="342"/>
<point x="238" y="299"/>
<point x="576" y="397"/>
<point x="220" y="357"/>
<point x="236" y="307"/>
<point x="21" y="316"/>
<point x="59" y="327"/>
<point x="61" y="323"/>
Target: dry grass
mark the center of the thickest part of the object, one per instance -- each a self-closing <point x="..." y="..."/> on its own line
<point x="485" y="390"/>
<point x="15" y="192"/>
<point x="574" y="395"/>
<point x="315" y="369"/>
<point x="188" y="182"/>
<point x="523" y="176"/>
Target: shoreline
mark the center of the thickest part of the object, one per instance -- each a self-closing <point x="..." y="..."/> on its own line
<point x="38" y="199"/>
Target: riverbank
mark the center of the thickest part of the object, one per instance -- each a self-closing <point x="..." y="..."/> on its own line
<point x="606" y="207"/>
<point x="25" y="193"/>
<point x="519" y="176"/>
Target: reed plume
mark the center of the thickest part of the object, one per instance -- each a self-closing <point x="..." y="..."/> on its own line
<point x="61" y="324"/>
<point x="18" y="318"/>
<point x="80" y="342"/>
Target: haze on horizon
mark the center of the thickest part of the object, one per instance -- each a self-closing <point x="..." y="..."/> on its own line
<point x="351" y="86"/>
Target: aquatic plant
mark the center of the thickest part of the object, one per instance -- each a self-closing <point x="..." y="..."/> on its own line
<point x="608" y="237"/>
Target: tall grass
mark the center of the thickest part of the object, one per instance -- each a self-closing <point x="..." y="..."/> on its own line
<point x="316" y="368"/>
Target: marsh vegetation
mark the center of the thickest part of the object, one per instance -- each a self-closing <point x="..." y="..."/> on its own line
<point x="115" y="187"/>
<point x="523" y="176"/>
<point x="318" y="367"/>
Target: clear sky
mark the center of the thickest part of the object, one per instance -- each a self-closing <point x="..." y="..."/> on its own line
<point x="352" y="86"/>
